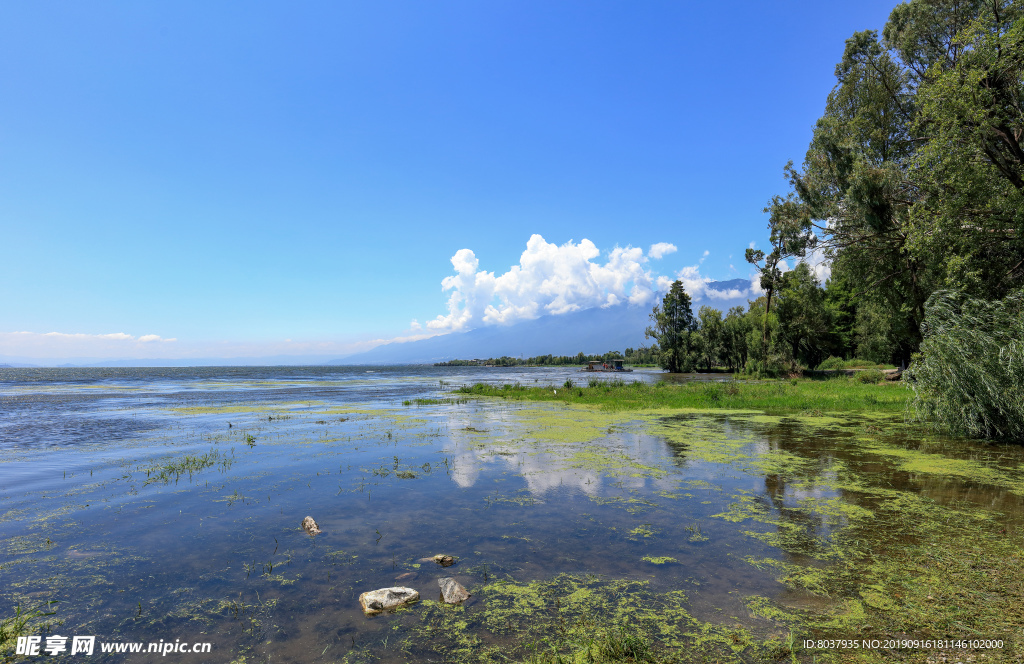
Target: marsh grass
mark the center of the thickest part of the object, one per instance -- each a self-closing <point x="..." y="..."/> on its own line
<point x="773" y="397"/>
<point x="24" y="622"/>
<point x="433" y="402"/>
<point x="187" y="465"/>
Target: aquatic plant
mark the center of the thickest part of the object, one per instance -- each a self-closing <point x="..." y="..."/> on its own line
<point x="22" y="623"/>
<point x="187" y="465"/>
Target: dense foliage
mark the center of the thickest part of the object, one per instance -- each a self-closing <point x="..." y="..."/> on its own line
<point x="914" y="179"/>
<point x="969" y="376"/>
<point x="913" y="189"/>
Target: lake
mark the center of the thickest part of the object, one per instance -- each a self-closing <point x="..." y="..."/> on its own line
<point x="165" y="505"/>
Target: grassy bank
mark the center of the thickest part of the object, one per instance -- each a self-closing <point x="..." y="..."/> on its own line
<point x="773" y="397"/>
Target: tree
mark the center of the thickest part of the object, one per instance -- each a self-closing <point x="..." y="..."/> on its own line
<point x="735" y="329"/>
<point x="914" y="179"/>
<point x="770" y="275"/>
<point x="673" y="327"/>
<point x="709" y="336"/>
<point x="803" y="318"/>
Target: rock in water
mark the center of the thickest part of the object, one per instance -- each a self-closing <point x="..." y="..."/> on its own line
<point x="376" y="601"/>
<point x="452" y="591"/>
<point x="309" y="525"/>
<point x="443" y="560"/>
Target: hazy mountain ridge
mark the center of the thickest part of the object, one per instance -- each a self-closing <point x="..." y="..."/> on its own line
<point x="589" y="331"/>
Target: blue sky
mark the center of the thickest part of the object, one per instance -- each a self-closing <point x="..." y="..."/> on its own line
<point x="265" y="178"/>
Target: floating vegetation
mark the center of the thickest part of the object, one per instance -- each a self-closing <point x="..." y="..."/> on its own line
<point x="659" y="560"/>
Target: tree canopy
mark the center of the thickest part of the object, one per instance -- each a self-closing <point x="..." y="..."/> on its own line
<point x="914" y="178"/>
<point x="673" y="327"/>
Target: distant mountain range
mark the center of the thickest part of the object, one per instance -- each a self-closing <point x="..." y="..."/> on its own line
<point x="590" y="331"/>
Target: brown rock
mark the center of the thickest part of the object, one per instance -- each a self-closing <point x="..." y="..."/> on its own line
<point x="443" y="560"/>
<point x="309" y="525"/>
<point x="383" y="599"/>
<point x="407" y="575"/>
<point x="452" y="591"/>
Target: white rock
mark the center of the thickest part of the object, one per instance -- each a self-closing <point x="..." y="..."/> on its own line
<point x="452" y="591"/>
<point x="309" y="525"/>
<point x="383" y="599"/>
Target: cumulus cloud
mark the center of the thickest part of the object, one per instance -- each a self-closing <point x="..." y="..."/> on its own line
<point x="549" y="279"/>
<point x="662" y="249"/>
<point x="558" y="279"/>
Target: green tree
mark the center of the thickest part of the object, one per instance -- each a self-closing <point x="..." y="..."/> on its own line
<point x="735" y="329"/>
<point x="914" y="178"/>
<point x="804" y="321"/>
<point x="673" y="327"/>
<point x="709" y="337"/>
<point x="841" y="302"/>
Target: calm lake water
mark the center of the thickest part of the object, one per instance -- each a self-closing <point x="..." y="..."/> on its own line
<point x="164" y="504"/>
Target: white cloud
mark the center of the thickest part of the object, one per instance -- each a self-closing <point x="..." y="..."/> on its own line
<point x="819" y="264"/>
<point x="65" y="344"/>
<point x="662" y="249"/>
<point x="549" y="279"/>
<point x="557" y="279"/>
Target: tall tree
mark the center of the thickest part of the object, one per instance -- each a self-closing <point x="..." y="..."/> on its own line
<point x="804" y="320"/>
<point x="914" y="179"/>
<point x="709" y="336"/>
<point x="673" y="326"/>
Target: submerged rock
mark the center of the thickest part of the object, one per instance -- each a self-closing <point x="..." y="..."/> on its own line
<point x="407" y="575"/>
<point x="443" y="560"/>
<point x="452" y="591"/>
<point x="309" y="525"/>
<point x="384" y="599"/>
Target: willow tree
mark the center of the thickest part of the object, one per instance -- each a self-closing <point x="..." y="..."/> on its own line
<point x="968" y="376"/>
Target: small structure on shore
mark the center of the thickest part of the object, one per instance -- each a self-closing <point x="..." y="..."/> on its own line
<point x="605" y="365"/>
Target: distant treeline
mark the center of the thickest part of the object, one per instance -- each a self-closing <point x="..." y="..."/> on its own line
<point x="643" y="355"/>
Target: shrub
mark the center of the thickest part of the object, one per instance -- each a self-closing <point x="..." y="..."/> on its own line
<point x="968" y="376"/>
<point x="832" y="363"/>
<point x="870" y="376"/>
